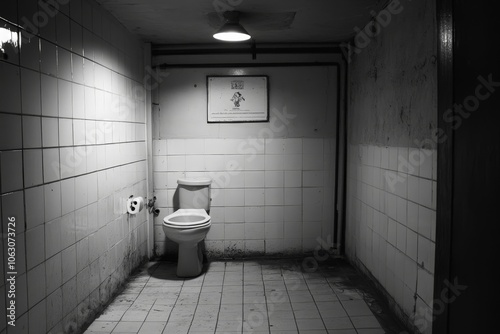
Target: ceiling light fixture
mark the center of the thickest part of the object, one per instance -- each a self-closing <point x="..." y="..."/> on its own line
<point x="232" y="31"/>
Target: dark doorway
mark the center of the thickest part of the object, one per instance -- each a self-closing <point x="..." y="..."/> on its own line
<point x="467" y="235"/>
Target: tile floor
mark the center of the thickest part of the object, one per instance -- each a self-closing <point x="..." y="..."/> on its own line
<point x="247" y="296"/>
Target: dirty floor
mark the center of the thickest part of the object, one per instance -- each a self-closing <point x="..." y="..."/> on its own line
<point x="248" y="296"/>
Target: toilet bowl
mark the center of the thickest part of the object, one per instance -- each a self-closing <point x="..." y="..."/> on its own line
<point x="187" y="228"/>
<point x="189" y="225"/>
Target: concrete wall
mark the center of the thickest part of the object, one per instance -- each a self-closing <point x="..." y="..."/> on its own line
<point x="72" y="149"/>
<point x="273" y="182"/>
<point x="391" y="186"/>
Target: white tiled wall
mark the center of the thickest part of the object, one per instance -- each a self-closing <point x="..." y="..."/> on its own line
<point x="391" y="220"/>
<point x="72" y="149"/>
<point x="276" y="199"/>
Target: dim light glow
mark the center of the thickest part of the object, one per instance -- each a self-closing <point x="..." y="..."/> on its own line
<point x="232" y="32"/>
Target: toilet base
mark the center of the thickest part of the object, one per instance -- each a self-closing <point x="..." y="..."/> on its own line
<point x="190" y="260"/>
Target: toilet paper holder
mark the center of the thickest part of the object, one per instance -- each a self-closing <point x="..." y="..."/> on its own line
<point x="134" y="204"/>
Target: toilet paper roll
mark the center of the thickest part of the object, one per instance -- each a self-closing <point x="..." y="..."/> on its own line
<point x="135" y="205"/>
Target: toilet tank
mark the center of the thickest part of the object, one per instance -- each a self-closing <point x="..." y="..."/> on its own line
<point x="194" y="193"/>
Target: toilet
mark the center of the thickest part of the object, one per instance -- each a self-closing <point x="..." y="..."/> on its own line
<point x="189" y="225"/>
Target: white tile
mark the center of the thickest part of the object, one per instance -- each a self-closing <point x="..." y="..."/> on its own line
<point x="292" y="146"/>
<point x="234" y="214"/>
<point x="254" y="231"/>
<point x="274" y="146"/>
<point x="254" y="162"/>
<point x="425" y="192"/>
<point x="313" y="146"/>
<point x="32" y="132"/>
<point x="67" y="161"/>
<point x="48" y="57"/>
<point x="293" y="196"/>
<point x="254" y="246"/>
<point x="426" y="253"/>
<point x="216" y="231"/>
<point x="234" y="163"/>
<point x="90" y="105"/>
<point x="81" y="223"/>
<point x="312" y="161"/>
<point x="234" y="197"/>
<point x="254" y="214"/>
<point x="194" y="146"/>
<point x="392" y="232"/>
<point x="68" y="263"/>
<point x="274" y="196"/>
<point x="292" y="162"/>
<point x="68" y="230"/>
<point x="35" y="247"/>
<point x="53" y="273"/>
<point x="274" y="214"/>
<point x="64" y="64"/>
<point x="78" y="94"/>
<point x="312" y="178"/>
<point x="413" y="191"/>
<point x="176" y="146"/>
<point x="214" y="162"/>
<point x="90" y="132"/>
<point x="81" y="191"/>
<point x="65" y="132"/>
<point x="411" y="244"/>
<point x="415" y="160"/>
<point x="254" y="179"/>
<point x="426" y="220"/>
<point x="52" y="237"/>
<point x="50" y="132"/>
<point x="401" y="210"/>
<point x="67" y="196"/>
<point x="426" y="163"/>
<point x="49" y="96"/>
<point x="36" y="285"/>
<point x="79" y="132"/>
<point x="35" y="206"/>
<point x="384" y="158"/>
<point x="274" y="162"/>
<point x="195" y="163"/>
<point x="273" y="179"/>
<point x="30" y="91"/>
<point x="401" y="237"/>
<point x="51" y="167"/>
<point x="425" y="284"/>
<point x="88" y="65"/>
<point x="82" y="254"/>
<point x="33" y="167"/>
<point x="293" y="230"/>
<point x="274" y="230"/>
<point x="234" y="231"/>
<point x="30" y="51"/>
<point x="254" y="197"/>
<point x="91" y="155"/>
<point x="159" y="147"/>
<point x="293" y="178"/>
<point x="403" y="162"/>
<point x="393" y="158"/>
<point x="391" y="205"/>
<point x="176" y="162"/>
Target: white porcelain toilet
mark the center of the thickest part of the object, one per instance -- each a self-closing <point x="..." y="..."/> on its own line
<point x="189" y="225"/>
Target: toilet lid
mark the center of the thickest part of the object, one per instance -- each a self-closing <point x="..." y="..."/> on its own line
<point x="187" y="218"/>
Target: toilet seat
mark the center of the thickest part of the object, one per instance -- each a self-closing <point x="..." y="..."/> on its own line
<point x="187" y="219"/>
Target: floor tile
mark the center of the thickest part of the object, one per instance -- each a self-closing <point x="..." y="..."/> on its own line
<point x="265" y="296"/>
<point x="128" y="327"/>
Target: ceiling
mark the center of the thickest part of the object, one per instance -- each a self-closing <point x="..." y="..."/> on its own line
<point x="192" y="22"/>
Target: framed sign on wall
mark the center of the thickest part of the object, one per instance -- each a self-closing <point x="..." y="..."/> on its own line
<point x="237" y="99"/>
